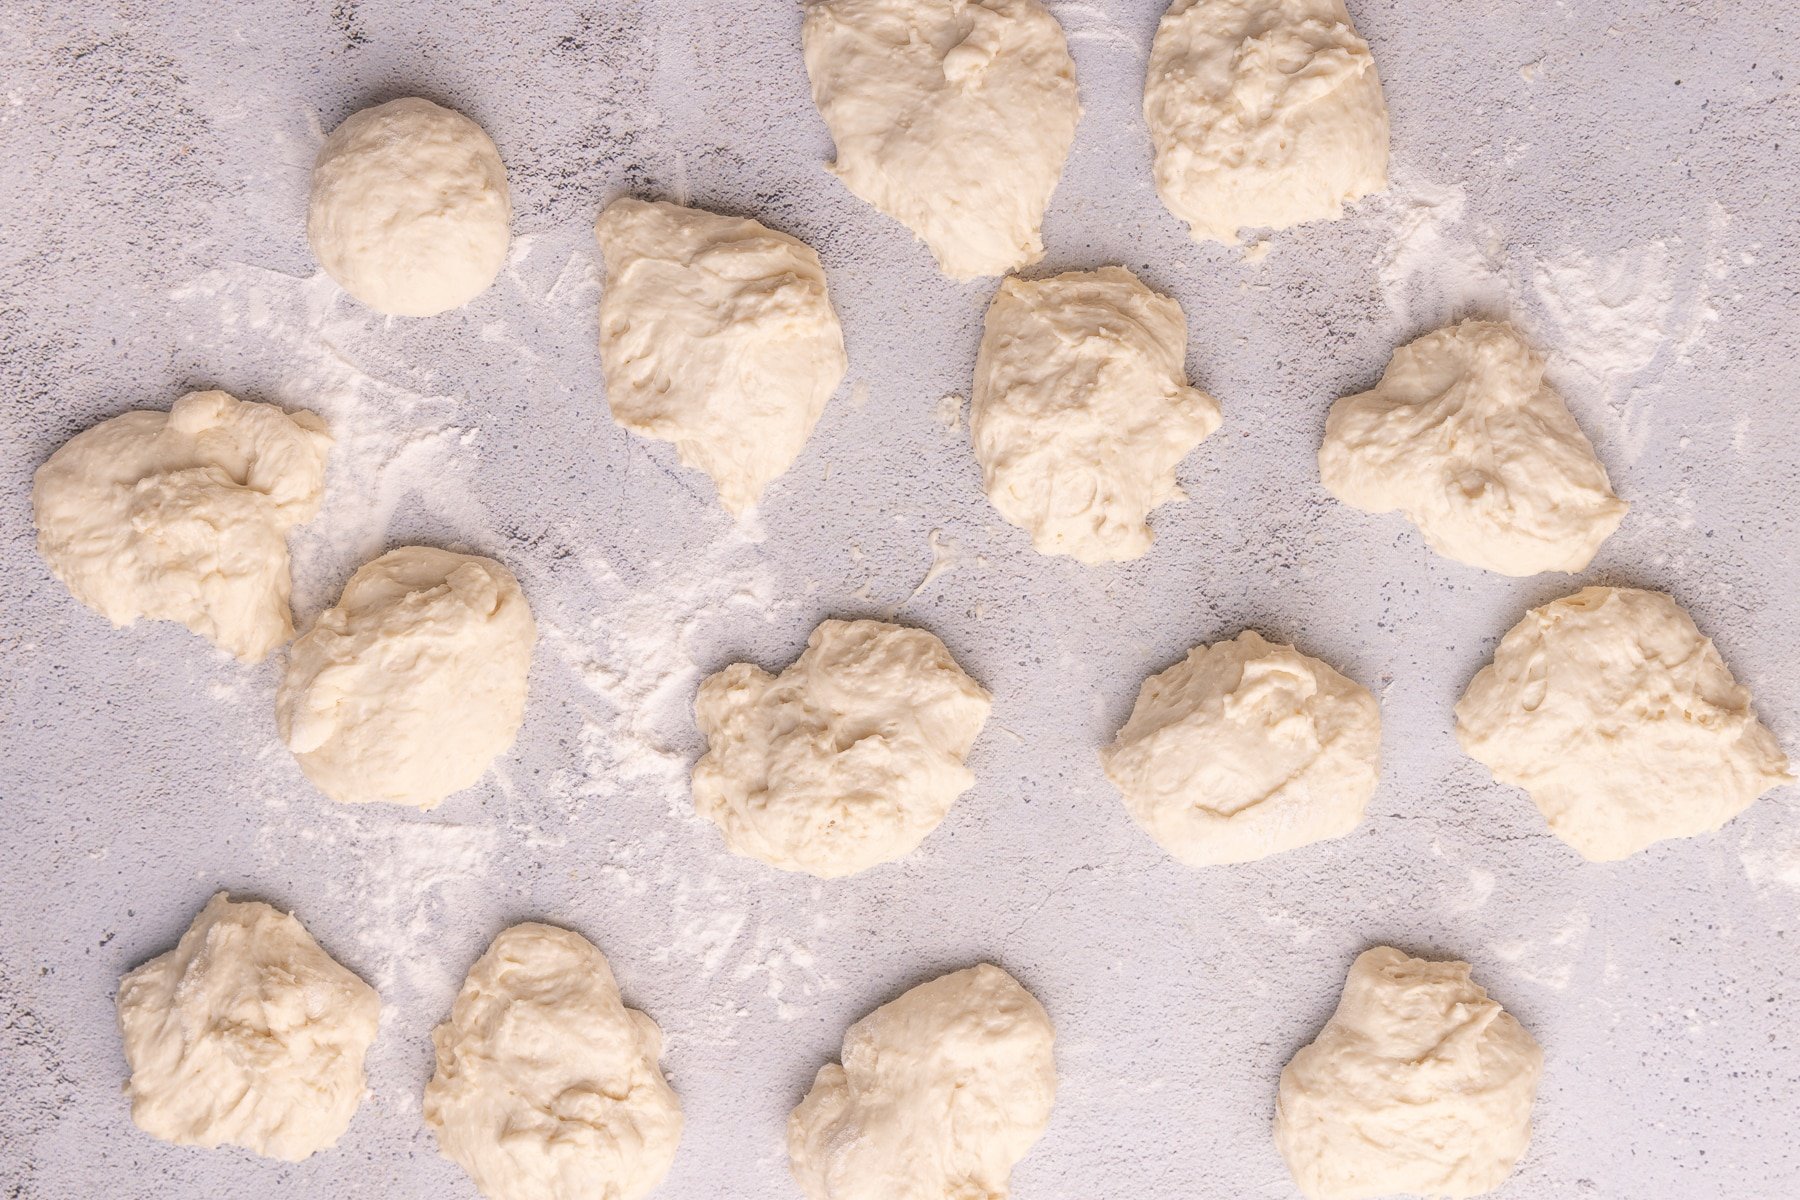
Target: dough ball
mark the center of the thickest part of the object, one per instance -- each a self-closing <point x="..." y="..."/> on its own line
<point x="953" y="117"/>
<point x="1621" y="721"/>
<point x="1419" y="1084"/>
<point x="246" y="1034"/>
<point x="184" y="516"/>
<point x="409" y="208"/>
<point x="939" y="1094"/>
<point x="547" y="1086"/>
<point x="415" y="681"/>
<point x="1082" y="410"/>
<point x="716" y="334"/>
<point x="1245" y="749"/>
<point x="1263" y="114"/>
<point x="1465" y="438"/>
<point x="845" y="760"/>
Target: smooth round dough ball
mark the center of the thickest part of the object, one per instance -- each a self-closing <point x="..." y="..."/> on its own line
<point x="953" y="118"/>
<point x="848" y="758"/>
<point x="1621" y="720"/>
<point x="940" y="1093"/>
<point x="184" y="516"/>
<point x="717" y="334"/>
<point x="1246" y="749"/>
<point x="1082" y="410"/>
<point x="1418" y="1085"/>
<point x="1465" y="438"/>
<point x="246" y="1034"/>
<point x="410" y="686"/>
<point x="410" y="212"/>
<point x="1263" y="114"/>
<point x="547" y="1086"/>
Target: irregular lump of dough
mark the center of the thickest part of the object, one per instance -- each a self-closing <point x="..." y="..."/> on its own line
<point x="246" y="1034"/>
<point x="184" y="516"/>
<point x="940" y="1093"/>
<point x="1082" y="410"/>
<point x="953" y="117"/>
<point x="1263" y="113"/>
<point x="1419" y="1084"/>
<point x="408" y="688"/>
<point x="547" y="1086"/>
<point x="845" y="760"/>
<point x="716" y="333"/>
<point x="1621" y="721"/>
<point x="409" y="211"/>
<point x="1245" y="749"/>
<point x="1465" y="438"/>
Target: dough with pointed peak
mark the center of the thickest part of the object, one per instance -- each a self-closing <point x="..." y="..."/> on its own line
<point x="1464" y="437"/>
<point x="844" y="761"/>
<point x="1264" y="114"/>
<point x="953" y="117"/>
<point x="547" y="1086"/>
<point x="716" y="334"/>
<point x="1246" y="749"/>
<point x="184" y="516"/>
<point x="1622" y="722"/>
<point x="1082" y="410"/>
<point x="246" y="1034"/>
<point x="1418" y="1085"/>
<point x="940" y="1093"/>
<point x="409" y="211"/>
<point x="413" y="683"/>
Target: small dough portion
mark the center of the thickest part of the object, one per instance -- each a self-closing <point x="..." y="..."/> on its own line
<point x="1418" y="1085"/>
<point x="940" y="1093"/>
<point x="954" y="117"/>
<point x="410" y="212"/>
<point x="717" y="334"/>
<point x="1082" y="410"/>
<point x="848" y="758"/>
<point x="409" y="687"/>
<point x="1465" y="438"/>
<point x="246" y="1034"/>
<point x="1264" y="114"/>
<point x="184" y="516"/>
<point x="1245" y="749"/>
<point x="1622" y="722"/>
<point x="547" y="1086"/>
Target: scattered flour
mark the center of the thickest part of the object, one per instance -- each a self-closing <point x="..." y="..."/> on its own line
<point x="945" y="554"/>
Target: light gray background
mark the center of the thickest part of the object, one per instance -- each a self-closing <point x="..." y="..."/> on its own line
<point x="1627" y="196"/>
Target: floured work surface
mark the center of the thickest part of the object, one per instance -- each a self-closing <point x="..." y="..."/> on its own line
<point x="1605" y="178"/>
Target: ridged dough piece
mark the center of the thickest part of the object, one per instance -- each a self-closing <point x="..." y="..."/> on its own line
<point x="844" y="761"/>
<point x="716" y="334"/>
<point x="954" y="117"/>
<point x="940" y="1093"/>
<point x="1082" y="410"/>
<point x="1621" y="720"/>
<point x="1418" y="1085"/>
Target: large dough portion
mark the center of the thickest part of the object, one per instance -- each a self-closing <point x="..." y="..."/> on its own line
<point x="1082" y="410"/>
<point x="1465" y="438"/>
<point x="1621" y="720"/>
<point x="246" y="1034"/>
<point x="547" y="1086"/>
<point x="717" y="334"/>
<point x="413" y="682"/>
<point x="953" y="117"/>
<point x="1263" y="113"/>
<point x="1246" y="749"/>
<point x="409" y="211"/>
<point x="940" y="1093"/>
<point x="184" y="516"/>
<point x="848" y="758"/>
<point x="1418" y="1085"/>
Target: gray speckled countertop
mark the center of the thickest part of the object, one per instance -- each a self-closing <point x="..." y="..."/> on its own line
<point x="1618" y="177"/>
